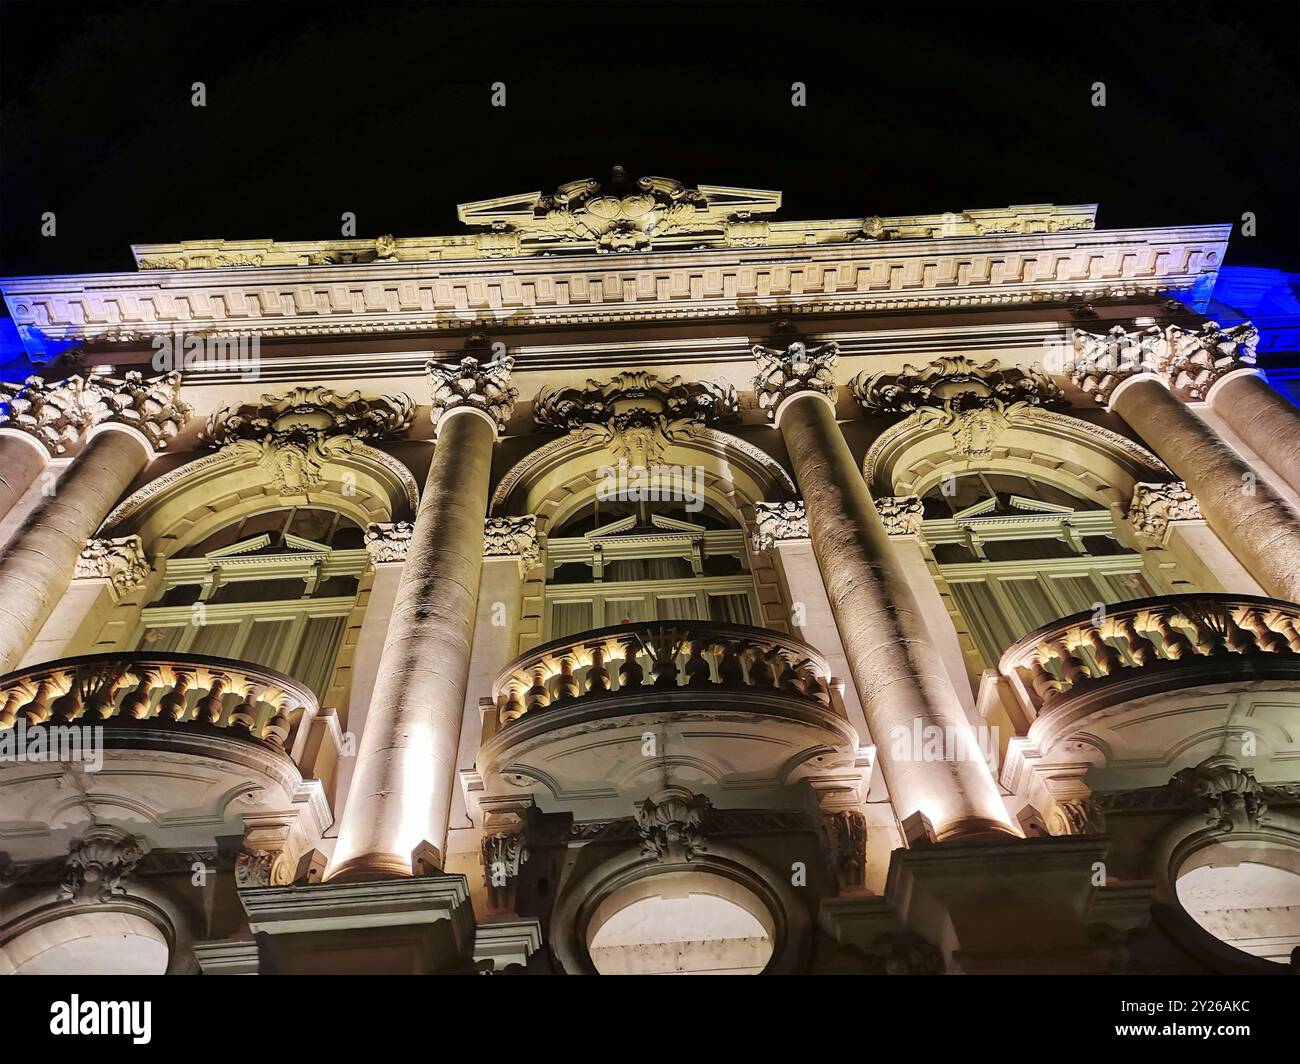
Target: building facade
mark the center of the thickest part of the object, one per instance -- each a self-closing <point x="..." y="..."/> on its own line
<point x="637" y="582"/>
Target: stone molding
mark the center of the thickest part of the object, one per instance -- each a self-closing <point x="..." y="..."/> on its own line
<point x="54" y="413"/>
<point x="98" y="862"/>
<point x="902" y="514"/>
<point x="671" y="829"/>
<point x="973" y="402"/>
<point x="291" y="436"/>
<point x="120" y="561"/>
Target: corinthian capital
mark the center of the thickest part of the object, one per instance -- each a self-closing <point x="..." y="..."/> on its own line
<point x="1102" y="361"/>
<point x="504" y="537"/>
<point x="120" y="561"/>
<point x="153" y="405"/>
<point x="798" y="368"/>
<point x="478" y="381"/>
<point x="52" y="412"/>
<point x="1155" y="506"/>
<point x="1198" y="358"/>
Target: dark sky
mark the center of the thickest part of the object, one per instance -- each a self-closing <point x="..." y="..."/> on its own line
<point x="316" y="109"/>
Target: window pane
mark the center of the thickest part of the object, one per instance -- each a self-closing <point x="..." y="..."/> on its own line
<point x="218" y="640"/>
<point x="163" y="640"/>
<point x="983" y="615"/>
<point x="676" y="608"/>
<point x="315" y="658"/>
<point x="266" y="643"/>
<point x="625" y="611"/>
<point x="731" y="609"/>
<point x="570" y="618"/>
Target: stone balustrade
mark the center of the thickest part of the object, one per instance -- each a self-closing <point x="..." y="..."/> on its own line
<point x="186" y="691"/>
<point x="1171" y="634"/>
<point x="653" y="656"/>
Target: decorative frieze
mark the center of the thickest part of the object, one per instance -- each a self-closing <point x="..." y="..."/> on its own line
<point x="844" y="836"/>
<point x="152" y="405"/>
<point x="98" y="862"/>
<point x="902" y="514"/>
<point x="505" y="537"/>
<point x="120" y="561"/>
<point x="796" y="368"/>
<point x="636" y="413"/>
<point x="52" y="412"/>
<point x="292" y="436"/>
<point x="1155" y="506"/>
<point x="974" y="403"/>
<point x="389" y="541"/>
<point x="672" y="829"/>
<point x="777" y="521"/>
<point x="479" y="381"/>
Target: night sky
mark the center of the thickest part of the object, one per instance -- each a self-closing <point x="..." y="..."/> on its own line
<point x="317" y="109"/>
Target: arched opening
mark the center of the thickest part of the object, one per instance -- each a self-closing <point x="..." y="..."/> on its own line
<point x="272" y="588"/>
<point x="89" y="943"/>
<point x="681" y="923"/>
<point x="1245" y="894"/>
<point x="1018" y="552"/>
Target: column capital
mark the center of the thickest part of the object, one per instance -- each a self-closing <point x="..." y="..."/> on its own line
<point x="52" y="413"/>
<point x="1198" y="359"/>
<point x="1155" y="507"/>
<point x="777" y="521"/>
<point x="479" y="381"/>
<point x="506" y="537"/>
<point x="798" y="368"/>
<point x="151" y="406"/>
<point x="389" y="541"/>
<point x="119" y="561"/>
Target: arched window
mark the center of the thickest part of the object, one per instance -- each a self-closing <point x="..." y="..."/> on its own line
<point x="620" y="562"/>
<point x="1019" y="553"/>
<point x="273" y="589"/>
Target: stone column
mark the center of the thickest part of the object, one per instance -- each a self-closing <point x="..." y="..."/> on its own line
<point x="132" y="417"/>
<point x="1247" y="513"/>
<point x="907" y="696"/>
<point x="38" y="420"/>
<point x="402" y="784"/>
<point x="1266" y="423"/>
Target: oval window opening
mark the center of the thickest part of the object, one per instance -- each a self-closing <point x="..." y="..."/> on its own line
<point x="1245" y="896"/>
<point x="111" y="943"/>
<point x="681" y="923"/>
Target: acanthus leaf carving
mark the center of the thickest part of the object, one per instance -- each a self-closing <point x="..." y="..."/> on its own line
<point x="98" y="862"/>
<point x="1197" y="359"/>
<point x="505" y="537"/>
<point x="672" y="829"/>
<point x="901" y="514"/>
<point x="793" y="370"/>
<point x="389" y="541"/>
<point x="151" y="405"/>
<point x="120" y="561"/>
<point x="1155" y="506"/>
<point x="53" y="412"/>
<point x="777" y="521"/>
<point x="480" y="380"/>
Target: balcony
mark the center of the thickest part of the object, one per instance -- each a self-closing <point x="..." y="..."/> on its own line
<point x="687" y="702"/>
<point x="151" y="734"/>
<point x="1125" y="695"/>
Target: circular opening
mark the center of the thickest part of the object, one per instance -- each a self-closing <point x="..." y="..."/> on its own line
<point x="681" y="923"/>
<point x="1246" y="895"/>
<point x="108" y="943"/>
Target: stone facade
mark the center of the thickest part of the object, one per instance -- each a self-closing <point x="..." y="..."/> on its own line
<point x="629" y="549"/>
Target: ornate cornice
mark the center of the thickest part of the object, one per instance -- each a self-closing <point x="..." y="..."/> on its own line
<point x="1189" y="361"/>
<point x="792" y="370"/>
<point x="293" y="435"/>
<point x="52" y="412"/>
<point x="389" y="541"/>
<point x="505" y="537"/>
<point x="635" y="413"/>
<point x="150" y="405"/>
<point x="902" y="514"/>
<point x="1155" y="506"/>
<point x="778" y="521"/>
<point x="393" y="296"/>
<point x="120" y="561"/>
<point x="478" y="381"/>
<point x="974" y="403"/>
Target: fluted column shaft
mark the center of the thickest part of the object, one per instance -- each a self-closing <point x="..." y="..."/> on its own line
<point x="899" y="674"/>
<point x="38" y="564"/>
<point x="402" y="783"/>
<point x="21" y="460"/>
<point x="1260" y="527"/>
<point x="1265" y="421"/>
